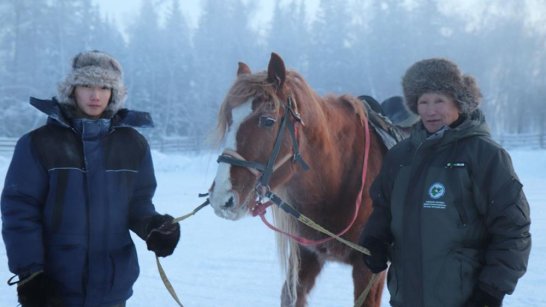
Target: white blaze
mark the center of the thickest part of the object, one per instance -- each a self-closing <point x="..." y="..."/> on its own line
<point x="222" y="192"/>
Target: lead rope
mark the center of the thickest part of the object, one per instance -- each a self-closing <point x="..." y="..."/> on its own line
<point x="162" y="273"/>
<point x="307" y="221"/>
<point x="166" y="282"/>
<point x="360" y="300"/>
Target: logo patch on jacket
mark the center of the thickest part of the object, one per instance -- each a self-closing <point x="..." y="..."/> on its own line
<point x="436" y="191"/>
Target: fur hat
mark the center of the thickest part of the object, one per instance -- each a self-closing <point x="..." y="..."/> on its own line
<point x="441" y="76"/>
<point x="94" y="68"/>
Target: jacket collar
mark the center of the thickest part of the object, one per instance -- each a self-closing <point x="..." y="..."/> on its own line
<point x="473" y="125"/>
<point x="123" y="118"/>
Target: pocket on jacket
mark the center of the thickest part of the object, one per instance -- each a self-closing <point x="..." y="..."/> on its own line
<point x="457" y="277"/>
<point x="125" y="269"/>
<point x="470" y="267"/>
<point x="65" y="264"/>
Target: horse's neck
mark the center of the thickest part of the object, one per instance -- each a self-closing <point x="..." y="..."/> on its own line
<point x="327" y="165"/>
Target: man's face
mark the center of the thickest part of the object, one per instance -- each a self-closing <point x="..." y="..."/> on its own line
<point x="92" y="100"/>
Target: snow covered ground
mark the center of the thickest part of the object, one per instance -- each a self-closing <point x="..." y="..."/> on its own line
<point x="234" y="264"/>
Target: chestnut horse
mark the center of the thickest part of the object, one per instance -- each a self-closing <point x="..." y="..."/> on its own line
<point x="274" y="127"/>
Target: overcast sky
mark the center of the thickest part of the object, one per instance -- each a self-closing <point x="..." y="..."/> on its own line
<point x="124" y="11"/>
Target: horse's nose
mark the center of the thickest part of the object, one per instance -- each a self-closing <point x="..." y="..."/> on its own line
<point x="224" y="200"/>
<point x="229" y="203"/>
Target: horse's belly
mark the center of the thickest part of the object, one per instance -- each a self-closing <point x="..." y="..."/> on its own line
<point x="332" y="251"/>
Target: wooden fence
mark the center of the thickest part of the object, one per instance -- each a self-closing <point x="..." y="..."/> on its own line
<point x="526" y="140"/>
<point x="177" y="144"/>
<point x="195" y="144"/>
<point x="166" y="145"/>
<point x="7" y="145"/>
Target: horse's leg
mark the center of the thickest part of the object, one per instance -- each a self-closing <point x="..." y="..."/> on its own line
<point x="361" y="279"/>
<point x="310" y="267"/>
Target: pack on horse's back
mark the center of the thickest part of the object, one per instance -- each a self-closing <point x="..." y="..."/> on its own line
<point x="389" y="132"/>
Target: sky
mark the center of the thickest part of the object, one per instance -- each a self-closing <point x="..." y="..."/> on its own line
<point x="234" y="263"/>
<point x="125" y="10"/>
<point x="534" y="11"/>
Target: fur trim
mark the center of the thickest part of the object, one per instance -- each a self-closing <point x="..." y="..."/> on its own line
<point x="98" y="69"/>
<point x="443" y="76"/>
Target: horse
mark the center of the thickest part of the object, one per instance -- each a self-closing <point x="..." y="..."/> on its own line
<point x="280" y="136"/>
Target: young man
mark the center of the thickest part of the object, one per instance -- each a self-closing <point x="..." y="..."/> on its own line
<point x="74" y="189"/>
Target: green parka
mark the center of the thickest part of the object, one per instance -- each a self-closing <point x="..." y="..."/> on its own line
<point x="452" y="210"/>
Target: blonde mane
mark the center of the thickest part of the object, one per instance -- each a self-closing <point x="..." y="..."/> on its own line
<point x="245" y="87"/>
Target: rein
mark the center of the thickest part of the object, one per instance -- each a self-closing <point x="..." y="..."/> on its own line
<point x="300" y="217"/>
<point x="273" y="198"/>
<point x="264" y="192"/>
<point x="266" y="170"/>
<point x="162" y="273"/>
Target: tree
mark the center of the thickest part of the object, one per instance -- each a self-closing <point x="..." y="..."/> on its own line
<point x="330" y="61"/>
<point x="289" y="34"/>
<point x="179" y="108"/>
<point x="143" y="62"/>
<point x="222" y="39"/>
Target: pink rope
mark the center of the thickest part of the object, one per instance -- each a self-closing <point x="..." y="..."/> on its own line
<point x="304" y="241"/>
<point x="260" y="208"/>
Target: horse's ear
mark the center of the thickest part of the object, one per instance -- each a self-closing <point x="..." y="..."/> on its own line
<point x="243" y="69"/>
<point x="276" y="71"/>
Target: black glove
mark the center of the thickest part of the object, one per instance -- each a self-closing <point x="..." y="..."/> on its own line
<point x="481" y="298"/>
<point x="377" y="262"/>
<point x="33" y="290"/>
<point x="163" y="235"/>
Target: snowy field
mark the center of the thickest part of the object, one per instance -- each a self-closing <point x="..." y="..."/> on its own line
<point x="234" y="264"/>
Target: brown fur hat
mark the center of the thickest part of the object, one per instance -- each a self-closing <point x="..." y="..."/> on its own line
<point x="440" y="76"/>
<point x="98" y="69"/>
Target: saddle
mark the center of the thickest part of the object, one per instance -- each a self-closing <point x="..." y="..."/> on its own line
<point x="389" y="133"/>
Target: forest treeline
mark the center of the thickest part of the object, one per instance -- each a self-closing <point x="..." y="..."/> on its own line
<point x="180" y="73"/>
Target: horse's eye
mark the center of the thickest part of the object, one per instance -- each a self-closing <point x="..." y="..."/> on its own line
<point x="266" y="121"/>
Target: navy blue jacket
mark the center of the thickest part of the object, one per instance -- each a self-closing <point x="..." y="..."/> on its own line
<point x="74" y="189"/>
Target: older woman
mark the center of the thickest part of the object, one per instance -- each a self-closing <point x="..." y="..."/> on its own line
<point x="449" y="211"/>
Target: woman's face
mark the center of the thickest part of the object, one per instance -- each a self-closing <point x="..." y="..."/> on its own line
<point x="437" y="110"/>
<point x="92" y="100"/>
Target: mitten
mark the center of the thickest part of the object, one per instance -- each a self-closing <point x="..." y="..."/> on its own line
<point x="32" y="291"/>
<point x="377" y="261"/>
<point x="163" y="235"/>
<point x="480" y="298"/>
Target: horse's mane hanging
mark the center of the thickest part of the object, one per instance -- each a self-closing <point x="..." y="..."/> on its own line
<point x="245" y="87"/>
<point x="257" y="86"/>
<point x="248" y="86"/>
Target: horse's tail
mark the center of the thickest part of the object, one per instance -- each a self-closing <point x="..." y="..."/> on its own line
<point x="288" y="254"/>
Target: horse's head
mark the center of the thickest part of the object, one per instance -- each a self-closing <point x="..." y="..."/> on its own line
<point x="257" y="122"/>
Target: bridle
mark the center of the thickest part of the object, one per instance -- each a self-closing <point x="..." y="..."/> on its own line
<point x="265" y="171"/>
<point x="263" y="191"/>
